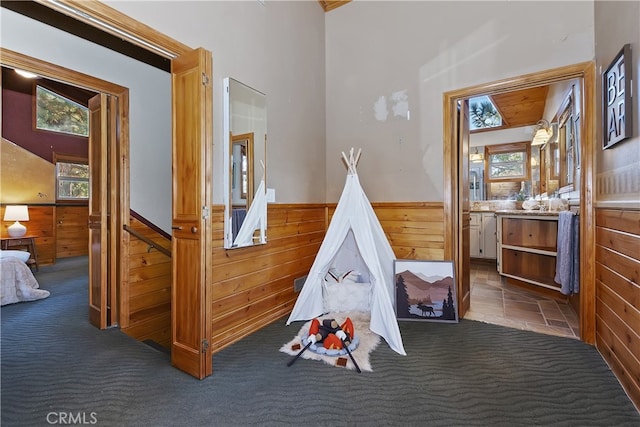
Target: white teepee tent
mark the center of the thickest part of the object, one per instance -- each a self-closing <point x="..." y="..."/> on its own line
<point x="354" y="217"/>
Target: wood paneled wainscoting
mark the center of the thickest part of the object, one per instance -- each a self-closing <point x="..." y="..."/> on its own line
<point x="253" y="286"/>
<point x="414" y="229"/>
<point x="618" y="295"/>
<point x="72" y="231"/>
<point x="60" y="231"/>
<point x="41" y="225"/>
<point x="146" y="297"/>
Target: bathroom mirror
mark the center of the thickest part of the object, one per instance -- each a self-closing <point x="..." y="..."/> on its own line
<point x="245" y="130"/>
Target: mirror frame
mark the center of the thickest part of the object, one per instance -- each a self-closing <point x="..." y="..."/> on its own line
<point x="255" y="152"/>
<point x="246" y="141"/>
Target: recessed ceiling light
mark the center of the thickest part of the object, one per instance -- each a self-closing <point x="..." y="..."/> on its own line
<point x="26" y="74"/>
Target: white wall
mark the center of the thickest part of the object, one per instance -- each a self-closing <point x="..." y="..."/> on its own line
<point x="277" y="48"/>
<point x="413" y="51"/>
<point x="150" y="106"/>
<point x="416" y="51"/>
<point x="503" y="136"/>
<point x="618" y="167"/>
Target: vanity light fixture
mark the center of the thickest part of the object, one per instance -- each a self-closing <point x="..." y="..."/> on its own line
<point x="476" y="157"/>
<point x="542" y="133"/>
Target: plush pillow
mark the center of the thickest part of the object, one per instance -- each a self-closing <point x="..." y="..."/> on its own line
<point x="21" y="255"/>
<point x="347" y="297"/>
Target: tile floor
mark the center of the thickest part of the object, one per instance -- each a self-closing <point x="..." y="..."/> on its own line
<point x="495" y="301"/>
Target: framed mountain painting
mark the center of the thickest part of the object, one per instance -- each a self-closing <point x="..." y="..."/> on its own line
<point x="425" y="291"/>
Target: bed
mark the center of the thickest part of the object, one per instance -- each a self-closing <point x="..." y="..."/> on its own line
<point x="17" y="282"/>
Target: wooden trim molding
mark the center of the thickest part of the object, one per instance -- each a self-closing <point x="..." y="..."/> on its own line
<point x="119" y="122"/>
<point x="120" y="25"/>
<point x="452" y="161"/>
<point x="55" y="72"/>
<point x="328" y="5"/>
<point x="148" y="223"/>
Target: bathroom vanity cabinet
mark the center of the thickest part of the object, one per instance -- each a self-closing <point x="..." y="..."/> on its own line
<point x="483" y="235"/>
<point x="527" y="246"/>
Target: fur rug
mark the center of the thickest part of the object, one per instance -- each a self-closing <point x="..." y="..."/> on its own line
<point x="368" y="342"/>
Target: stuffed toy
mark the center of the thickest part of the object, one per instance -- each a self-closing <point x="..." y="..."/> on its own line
<point x="332" y="335"/>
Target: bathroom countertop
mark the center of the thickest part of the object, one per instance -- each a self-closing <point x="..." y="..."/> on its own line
<point x="533" y="212"/>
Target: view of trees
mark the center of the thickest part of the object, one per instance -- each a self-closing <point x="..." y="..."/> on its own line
<point x="59" y="114"/>
<point x="73" y="180"/>
<point x="507" y="165"/>
<point x="483" y="114"/>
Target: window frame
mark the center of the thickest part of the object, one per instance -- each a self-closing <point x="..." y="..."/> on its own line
<point x="67" y="158"/>
<point x="512" y="147"/>
<point x="67" y="99"/>
<point x="567" y="143"/>
<point x="504" y="124"/>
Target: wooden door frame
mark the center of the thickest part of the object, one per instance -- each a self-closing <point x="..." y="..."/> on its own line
<point x="586" y="72"/>
<point x="118" y="275"/>
<point x="120" y="25"/>
<point x="99" y="257"/>
<point x="191" y="258"/>
<point x="123" y="26"/>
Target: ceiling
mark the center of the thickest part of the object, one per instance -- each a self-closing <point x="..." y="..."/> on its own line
<point x="522" y="107"/>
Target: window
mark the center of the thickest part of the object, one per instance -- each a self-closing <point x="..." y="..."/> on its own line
<point x="72" y="179"/>
<point x="59" y="114"/>
<point x="508" y="162"/>
<point x="483" y="114"/>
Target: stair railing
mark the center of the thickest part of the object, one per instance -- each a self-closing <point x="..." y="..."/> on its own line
<point x="151" y="243"/>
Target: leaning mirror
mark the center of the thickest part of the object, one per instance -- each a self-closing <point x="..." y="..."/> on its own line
<point x="245" y="141"/>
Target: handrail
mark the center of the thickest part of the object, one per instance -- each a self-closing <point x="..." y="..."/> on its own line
<point x="148" y="241"/>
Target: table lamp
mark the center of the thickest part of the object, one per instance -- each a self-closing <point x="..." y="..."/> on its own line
<point x="16" y="213"/>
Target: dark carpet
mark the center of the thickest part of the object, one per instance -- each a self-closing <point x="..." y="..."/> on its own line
<point x="57" y="369"/>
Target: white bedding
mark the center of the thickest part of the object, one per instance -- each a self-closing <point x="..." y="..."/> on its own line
<point x="17" y="282"/>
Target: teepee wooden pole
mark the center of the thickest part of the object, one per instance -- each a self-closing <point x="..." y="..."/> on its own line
<point x="352" y="161"/>
<point x="346" y="161"/>
<point x="355" y="163"/>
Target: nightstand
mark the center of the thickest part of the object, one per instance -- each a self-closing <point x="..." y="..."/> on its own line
<point x="24" y="242"/>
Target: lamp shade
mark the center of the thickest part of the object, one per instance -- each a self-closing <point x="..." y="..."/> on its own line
<point x="541" y="137"/>
<point x="543" y="132"/>
<point x="16" y="213"/>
